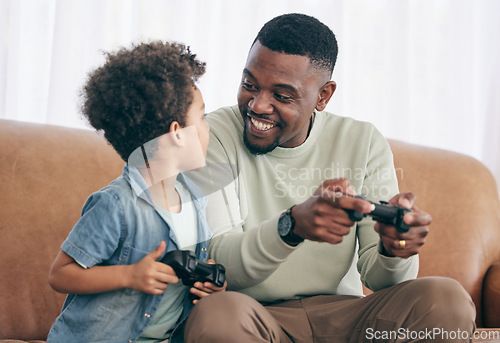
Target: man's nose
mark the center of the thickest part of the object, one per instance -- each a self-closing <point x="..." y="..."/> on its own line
<point x="261" y="103"/>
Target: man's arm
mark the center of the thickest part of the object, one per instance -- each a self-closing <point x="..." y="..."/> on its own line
<point x="251" y="256"/>
<point x="378" y="266"/>
<point x="382" y="261"/>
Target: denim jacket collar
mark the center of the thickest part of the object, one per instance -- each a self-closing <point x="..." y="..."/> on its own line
<point x="141" y="190"/>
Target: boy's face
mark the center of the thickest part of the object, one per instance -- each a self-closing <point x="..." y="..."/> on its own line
<point x="196" y="117"/>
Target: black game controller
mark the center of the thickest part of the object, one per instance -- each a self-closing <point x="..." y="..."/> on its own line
<point x="191" y="270"/>
<point x="382" y="213"/>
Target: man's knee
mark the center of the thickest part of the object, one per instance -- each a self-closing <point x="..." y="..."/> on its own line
<point x="222" y="316"/>
<point x="226" y="305"/>
<point x="444" y="300"/>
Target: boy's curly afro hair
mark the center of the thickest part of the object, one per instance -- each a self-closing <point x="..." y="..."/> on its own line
<point x="139" y="92"/>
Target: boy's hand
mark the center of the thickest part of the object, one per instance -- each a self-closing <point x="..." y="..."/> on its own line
<point x="151" y="276"/>
<point x="203" y="289"/>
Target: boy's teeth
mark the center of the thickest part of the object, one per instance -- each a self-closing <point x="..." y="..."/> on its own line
<point x="260" y="125"/>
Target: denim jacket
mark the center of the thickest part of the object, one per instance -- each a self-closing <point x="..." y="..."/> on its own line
<point x="120" y="225"/>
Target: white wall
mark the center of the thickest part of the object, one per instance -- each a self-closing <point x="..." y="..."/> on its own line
<point x="423" y="71"/>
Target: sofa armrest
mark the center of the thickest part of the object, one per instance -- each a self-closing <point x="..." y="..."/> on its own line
<point x="491" y="297"/>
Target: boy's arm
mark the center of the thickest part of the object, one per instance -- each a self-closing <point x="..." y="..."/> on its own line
<point x="148" y="275"/>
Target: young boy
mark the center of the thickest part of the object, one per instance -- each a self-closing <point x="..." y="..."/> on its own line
<point x="145" y="101"/>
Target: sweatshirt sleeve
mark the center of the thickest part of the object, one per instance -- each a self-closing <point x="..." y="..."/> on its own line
<point x="380" y="183"/>
<point x="249" y="256"/>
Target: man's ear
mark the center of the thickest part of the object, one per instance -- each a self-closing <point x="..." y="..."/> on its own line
<point x="175" y="134"/>
<point x="325" y="94"/>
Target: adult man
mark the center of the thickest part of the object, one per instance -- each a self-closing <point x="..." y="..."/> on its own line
<point x="281" y="227"/>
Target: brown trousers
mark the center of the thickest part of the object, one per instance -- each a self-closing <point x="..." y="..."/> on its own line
<point x="432" y="309"/>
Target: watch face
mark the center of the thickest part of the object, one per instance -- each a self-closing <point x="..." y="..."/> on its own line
<point x="284" y="224"/>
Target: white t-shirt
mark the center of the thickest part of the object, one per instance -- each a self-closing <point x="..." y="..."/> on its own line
<point x="185" y="223"/>
<point x="185" y="228"/>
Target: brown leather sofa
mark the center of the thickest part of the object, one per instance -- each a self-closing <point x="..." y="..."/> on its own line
<point x="47" y="172"/>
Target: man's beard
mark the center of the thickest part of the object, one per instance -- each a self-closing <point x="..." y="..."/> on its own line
<point x="255" y="149"/>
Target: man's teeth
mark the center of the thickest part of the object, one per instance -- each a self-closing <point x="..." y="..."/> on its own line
<point x="260" y="125"/>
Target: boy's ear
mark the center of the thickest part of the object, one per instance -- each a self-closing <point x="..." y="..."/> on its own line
<point x="176" y="135"/>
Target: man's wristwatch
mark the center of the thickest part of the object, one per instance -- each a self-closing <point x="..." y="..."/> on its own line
<point x="286" y="223"/>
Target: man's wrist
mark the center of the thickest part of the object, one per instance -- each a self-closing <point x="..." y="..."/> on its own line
<point x="292" y="239"/>
<point x="286" y="226"/>
<point x="383" y="251"/>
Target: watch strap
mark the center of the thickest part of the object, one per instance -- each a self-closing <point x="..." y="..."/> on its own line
<point x="291" y="238"/>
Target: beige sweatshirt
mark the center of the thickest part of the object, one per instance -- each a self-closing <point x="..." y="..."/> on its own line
<point x="247" y="194"/>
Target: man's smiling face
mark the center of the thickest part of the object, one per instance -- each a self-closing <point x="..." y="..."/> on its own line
<point x="277" y="97"/>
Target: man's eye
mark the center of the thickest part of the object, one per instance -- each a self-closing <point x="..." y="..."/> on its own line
<point x="283" y="98"/>
<point x="248" y="86"/>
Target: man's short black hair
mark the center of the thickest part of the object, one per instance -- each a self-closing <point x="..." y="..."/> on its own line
<point x="138" y="92"/>
<point x="300" y="34"/>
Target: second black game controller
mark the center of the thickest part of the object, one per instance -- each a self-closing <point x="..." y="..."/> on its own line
<point x="383" y="213"/>
<point x="190" y="270"/>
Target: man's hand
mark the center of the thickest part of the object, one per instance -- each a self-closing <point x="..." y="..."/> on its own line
<point x="201" y="290"/>
<point x="408" y="243"/>
<point x="322" y="217"/>
<point x="151" y="276"/>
